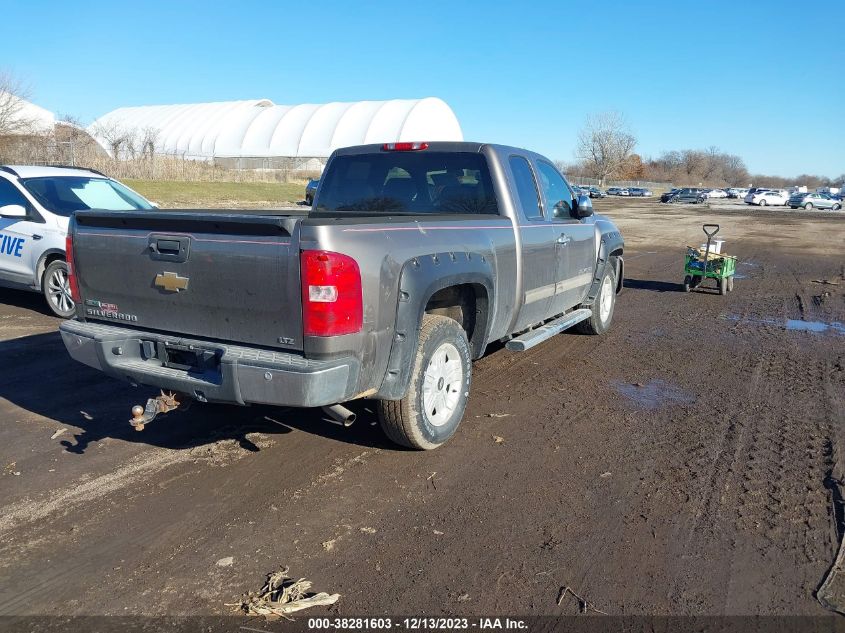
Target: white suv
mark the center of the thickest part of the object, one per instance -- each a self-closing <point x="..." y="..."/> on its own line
<point x="35" y="208"/>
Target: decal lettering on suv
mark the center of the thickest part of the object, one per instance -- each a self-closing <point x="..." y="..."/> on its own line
<point x="11" y="245"/>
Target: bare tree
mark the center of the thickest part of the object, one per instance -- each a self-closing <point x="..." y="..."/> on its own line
<point x="605" y="143"/>
<point x="13" y="96"/>
<point x="116" y="139"/>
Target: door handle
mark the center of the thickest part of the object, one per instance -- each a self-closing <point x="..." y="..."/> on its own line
<point x="563" y="240"/>
<point x="35" y="236"/>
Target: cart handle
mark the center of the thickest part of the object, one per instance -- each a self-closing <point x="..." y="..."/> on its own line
<point x="715" y="230"/>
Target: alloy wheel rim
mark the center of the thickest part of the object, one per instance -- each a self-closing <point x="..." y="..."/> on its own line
<point x="442" y="383"/>
<point x="58" y="288"/>
<point x="606" y="299"/>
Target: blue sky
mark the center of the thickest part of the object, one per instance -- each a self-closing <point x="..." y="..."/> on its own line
<point x="765" y="80"/>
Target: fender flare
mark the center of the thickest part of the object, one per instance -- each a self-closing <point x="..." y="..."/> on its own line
<point x="419" y="279"/>
<point x="611" y="245"/>
<point x="41" y="266"/>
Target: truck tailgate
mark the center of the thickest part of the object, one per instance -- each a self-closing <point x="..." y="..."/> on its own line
<point x="203" y="274"/>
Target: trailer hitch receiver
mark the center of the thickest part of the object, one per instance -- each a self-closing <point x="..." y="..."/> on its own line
<point x="163" y="403"/>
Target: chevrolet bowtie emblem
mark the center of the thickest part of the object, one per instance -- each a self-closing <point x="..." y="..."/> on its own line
<point x="171" y="282"/>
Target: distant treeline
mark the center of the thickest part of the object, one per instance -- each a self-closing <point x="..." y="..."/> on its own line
<point x="707" y="167"/>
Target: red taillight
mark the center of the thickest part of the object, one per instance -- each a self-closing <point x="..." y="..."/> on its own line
<point x="403" y="147"/>
<point x="71" y="273"/>
<point x="332" y="303"/>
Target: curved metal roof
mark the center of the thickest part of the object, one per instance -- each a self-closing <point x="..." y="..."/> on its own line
<point x="261" y="128"/>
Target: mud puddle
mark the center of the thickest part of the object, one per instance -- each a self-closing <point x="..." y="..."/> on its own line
<point x="792" y="325"/>
<point x="654" y="394"/>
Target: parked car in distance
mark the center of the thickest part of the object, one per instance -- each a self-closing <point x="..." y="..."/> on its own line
<point x="36" y="204"/>
<point x="737" y="192"/>
<point x="766" y="198"/>
<point x="687" y="194"/>
<point x="640" y="192"/>
<point x="311" y="191"/>
<point x="594" y="192"/>
<point x="614" y="191"/>
<point x="716" y="193"/>
<point x="665" y="197"/>
<point x="814" y="201"/>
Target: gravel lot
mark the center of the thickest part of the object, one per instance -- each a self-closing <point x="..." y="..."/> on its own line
<point x="678" y="465"/>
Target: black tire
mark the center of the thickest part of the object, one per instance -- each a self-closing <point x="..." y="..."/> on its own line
<point x="56" y="290"/>
<point x="687" y="283"/>
<point x="723" y="286"/>
<point x="836" y="207"/>
<point x="808" y="206"/>
<point x="763" y="202"/>
<point x="731" y="283"/>
<point x="595" y="324"/>
<point x="791" y="207"/>
<point x="407" y="422"/>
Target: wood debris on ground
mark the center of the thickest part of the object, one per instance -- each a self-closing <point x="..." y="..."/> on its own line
<point x="584" y="606"/>
<point x="282" y="595"/>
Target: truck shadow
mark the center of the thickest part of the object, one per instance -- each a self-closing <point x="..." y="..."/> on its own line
<point x="27" y="300"/>
<point x="41" y="378"/>
<point x="653" y="285"/>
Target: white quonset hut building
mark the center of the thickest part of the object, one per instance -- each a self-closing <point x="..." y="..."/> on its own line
<point x="255" y="133"/>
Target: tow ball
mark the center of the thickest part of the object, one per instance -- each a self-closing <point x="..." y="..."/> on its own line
<point x="163" y="403"/>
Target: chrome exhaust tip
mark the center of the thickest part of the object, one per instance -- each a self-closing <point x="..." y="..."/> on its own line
<point x="338" y="414"/>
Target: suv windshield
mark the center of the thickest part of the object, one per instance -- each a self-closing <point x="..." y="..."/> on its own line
<point x="65" y="194"/>
<point x="407" y="183"/>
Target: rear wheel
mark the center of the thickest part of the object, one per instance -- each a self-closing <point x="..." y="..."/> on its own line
<point x="687" y="283"/>
<point x="603" y="306"/>
<point x="836" y="207"/>
<point x="763" y="202"/>
<point x="808" y="206"/>
<point x="730" y="284"/>
<point x="723" y="286"/>
<point x="432" y="408"/>
<point x="56" y="288"/>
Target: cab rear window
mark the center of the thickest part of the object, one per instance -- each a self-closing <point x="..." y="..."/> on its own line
<point x="413" y="182"/>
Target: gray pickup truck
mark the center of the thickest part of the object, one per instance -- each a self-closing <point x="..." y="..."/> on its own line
<point x="412" y="260"/>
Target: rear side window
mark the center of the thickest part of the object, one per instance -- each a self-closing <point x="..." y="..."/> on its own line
<point x="526" y="188"/>
<point x="414" y="182"/>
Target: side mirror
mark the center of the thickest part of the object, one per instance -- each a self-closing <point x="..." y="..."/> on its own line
<point x="13" y="211"/>
<point x="583" y="207"/>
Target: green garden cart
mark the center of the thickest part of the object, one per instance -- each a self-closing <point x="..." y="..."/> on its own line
<point x="708" y="262"/>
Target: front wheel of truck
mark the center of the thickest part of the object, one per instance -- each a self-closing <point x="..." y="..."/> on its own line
<point x="603" y="306"/>
<point x="432" y="408"/>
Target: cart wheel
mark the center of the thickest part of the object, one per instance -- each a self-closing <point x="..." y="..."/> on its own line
<point x="731" y="283"/>
<point x="723" y="286"/>
<point x="687" y="283"/>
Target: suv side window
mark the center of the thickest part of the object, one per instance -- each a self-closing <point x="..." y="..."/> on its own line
<point x="9" y="194"/>
<point x="526" y="188"/>
<point x="556" y="192"/>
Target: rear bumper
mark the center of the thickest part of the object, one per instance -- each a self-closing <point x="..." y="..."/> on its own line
<point x="244" y="375"/>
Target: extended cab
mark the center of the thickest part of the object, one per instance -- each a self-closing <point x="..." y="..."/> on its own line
<point x="35" y="208"/>
<point x="413" y="258"/>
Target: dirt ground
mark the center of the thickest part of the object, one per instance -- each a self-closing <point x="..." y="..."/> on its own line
<point x="680" y="464"/>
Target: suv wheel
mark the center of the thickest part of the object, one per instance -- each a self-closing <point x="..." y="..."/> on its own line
<point x="432" y="408"/>
<point x="56" y="289"/>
